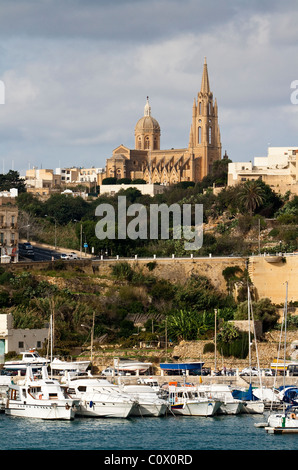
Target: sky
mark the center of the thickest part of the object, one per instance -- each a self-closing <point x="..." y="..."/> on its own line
<point x="75" y="75"/>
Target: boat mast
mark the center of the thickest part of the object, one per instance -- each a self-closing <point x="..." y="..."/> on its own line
<point x="249" y="334"/>
<point x="285" y="340"/>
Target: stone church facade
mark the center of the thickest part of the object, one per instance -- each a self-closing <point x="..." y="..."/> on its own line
<point x="148" y="162"/>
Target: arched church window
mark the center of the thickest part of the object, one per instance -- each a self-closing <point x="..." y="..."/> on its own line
<point x="147" y="143"/>
<point x="210" y="135"/>
<point x="199" y="134"/>
<point x="200" y="107"/>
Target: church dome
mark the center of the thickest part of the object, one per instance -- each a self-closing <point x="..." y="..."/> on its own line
<point x="147" y="123"/>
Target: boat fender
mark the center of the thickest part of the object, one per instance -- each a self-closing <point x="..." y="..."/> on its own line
<point x="91" y="404"/>
<point x="292" y="416"/>
<point x="67" y="406"/>
<point x="40" y="396"/>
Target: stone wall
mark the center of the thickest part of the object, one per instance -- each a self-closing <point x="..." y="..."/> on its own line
<point x="269" y="278"/>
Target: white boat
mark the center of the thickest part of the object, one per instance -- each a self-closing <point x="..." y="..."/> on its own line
<point x="223" y="393"/>
<point x="283" y="422"/>
<point x="42" y="398"/>
<point x="129" y="366"/>
<point x="186" y="401"/>
<point x="5" y="381"/>
<point x="99" y="398"/>
<point x="58" y="366"/>
<point x="147" y="400"/>
<point x="30" y="357"/>
<point x="250" y="403"/>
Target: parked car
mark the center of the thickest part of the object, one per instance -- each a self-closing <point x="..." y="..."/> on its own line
<point x="250" y="371"/>
<point x="73" y="255"/>
<point x="64" y="256"/>
<point x="111" y="371"/>
<point x="268" y="372"/>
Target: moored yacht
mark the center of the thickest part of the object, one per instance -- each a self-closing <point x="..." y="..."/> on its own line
<point x="35" y="397"/>
<point x="223" y="393"/>
<point x="185" y="400"/>
<point x="147" y="400"/>
<point x="99" y="398"/>
<point x="30" y="357"/>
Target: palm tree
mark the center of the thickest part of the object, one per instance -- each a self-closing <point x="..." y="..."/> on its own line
<point x="251" y="196"/>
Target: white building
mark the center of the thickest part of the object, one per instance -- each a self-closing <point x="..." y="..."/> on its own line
<point x="19" y="339"/>
<point x="149" y="189"/>
<point x="279" y="170"/>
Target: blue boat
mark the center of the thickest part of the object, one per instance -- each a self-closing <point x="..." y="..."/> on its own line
<point x="182" y="366"/>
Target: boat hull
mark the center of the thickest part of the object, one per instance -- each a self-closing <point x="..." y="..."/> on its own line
<point x="253" y="407"/>
<point x="95" y="409"/>
<point x="43" y="409"/>
<point x="231" y="408"/>
<point x="196" y="408"/>
<point x="149" y="409"/>
<point x="184" y="366"/>
<point x="280" y="421"/>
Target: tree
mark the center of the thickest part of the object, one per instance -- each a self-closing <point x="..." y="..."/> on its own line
<point x="251" y="196"/>
<point x="263" y="310"/>
<point x="183" y="325"/>
<point x="12" y="180"/>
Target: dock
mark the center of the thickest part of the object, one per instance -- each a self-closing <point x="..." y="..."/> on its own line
<point x="281" y="430"/>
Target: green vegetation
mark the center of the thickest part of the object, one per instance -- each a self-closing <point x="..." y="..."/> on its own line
<point x="180" y="311"/>
<point x="238" y="220"/>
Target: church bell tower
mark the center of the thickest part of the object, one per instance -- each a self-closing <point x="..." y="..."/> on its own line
<point x="204" y="140"/>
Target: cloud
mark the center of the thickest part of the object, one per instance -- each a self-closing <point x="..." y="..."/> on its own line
<point x="77" y="75"/>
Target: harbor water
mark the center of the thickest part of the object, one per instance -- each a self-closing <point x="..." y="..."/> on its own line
<point x="140" y="434"/>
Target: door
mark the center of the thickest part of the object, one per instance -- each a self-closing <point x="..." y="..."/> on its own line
<point x="2" y="350"/>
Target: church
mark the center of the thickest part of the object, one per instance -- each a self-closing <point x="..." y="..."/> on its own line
<point x="148" y="162"/>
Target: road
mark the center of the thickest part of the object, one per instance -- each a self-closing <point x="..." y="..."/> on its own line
<point x="40" y="254"/>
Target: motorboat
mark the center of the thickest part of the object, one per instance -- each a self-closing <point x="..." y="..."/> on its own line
<point x="251" y="403"/>
<point x="129" y="366"/>
<point x="185" y="400"/>
<point x="39" y="397"/>
<point x="147" y="400"/>
<point x="30" y="357"/>
<point x="60" y="367"/>
<point x="99" y="398"/>
<point x="5" y="381"/>
<point x="223" y="393"/>
<point x="283" y="421"/>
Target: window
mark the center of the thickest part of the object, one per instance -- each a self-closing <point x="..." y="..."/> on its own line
<point x="210" y="135"/>
<point x="199" y="134"/>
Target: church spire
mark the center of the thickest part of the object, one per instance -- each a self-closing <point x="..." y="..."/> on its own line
<point x="205" y="87"/>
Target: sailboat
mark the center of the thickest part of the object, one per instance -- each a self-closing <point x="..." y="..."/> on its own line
<point x="287" y="419"/>
<point x="251" y="404"/>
